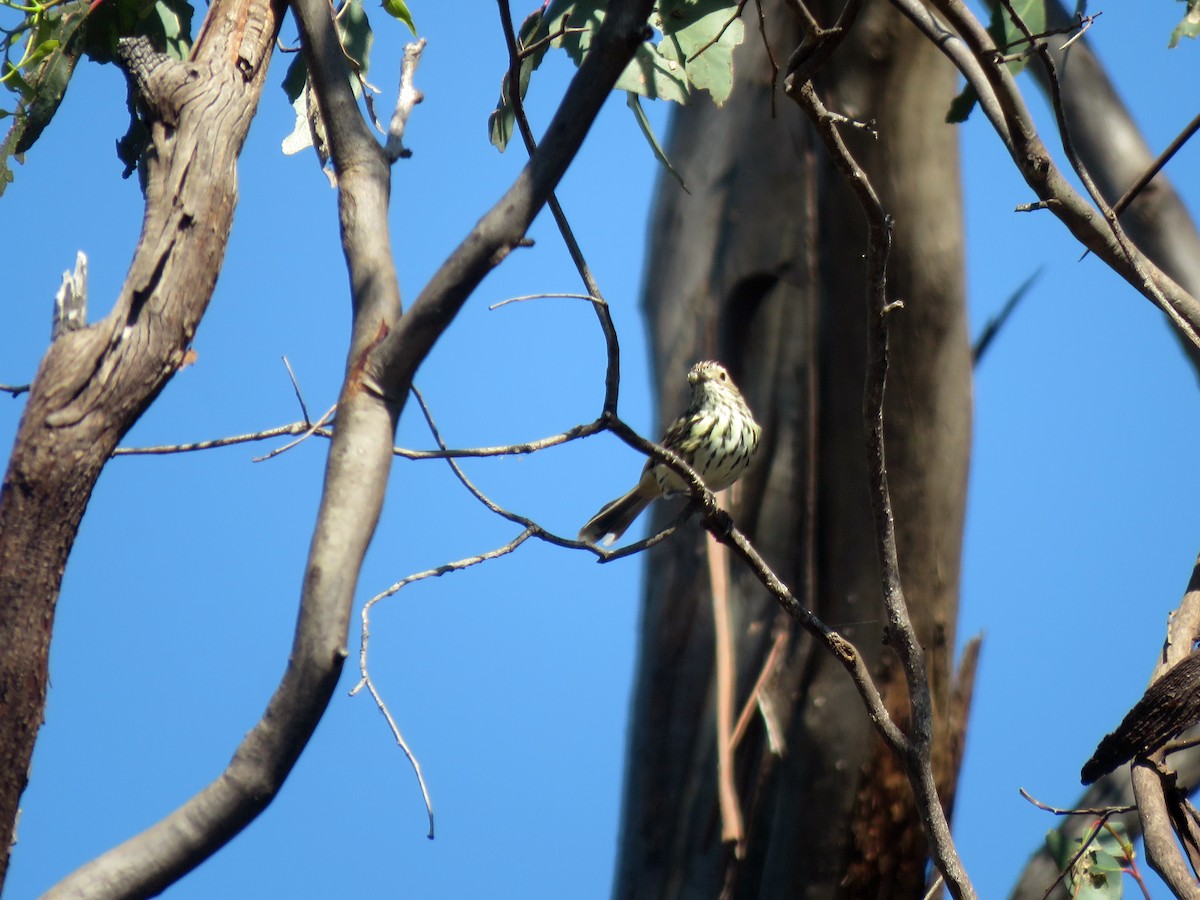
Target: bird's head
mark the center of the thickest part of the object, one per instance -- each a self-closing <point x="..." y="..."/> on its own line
<point x="708" y="371"/>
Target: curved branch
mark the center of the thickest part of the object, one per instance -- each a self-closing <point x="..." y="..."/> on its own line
<point x="96" y="381"/>
<point x="384" y="353"/>
<point x="502" y="228"/>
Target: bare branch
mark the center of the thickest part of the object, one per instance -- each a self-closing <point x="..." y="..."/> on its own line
<point x="364" y="644"/>
<point x="916" y="752"/>
<point x="296" y="387"/>
<point x="266" y="434"/>
<point x="612" y="378"/>
<point x="312" y="429"/>
<point x="95" y="382"/>
<point x="385" y="351"/>
<point x="1085" y="811"/>
<point x="406" y="98"/>
<point x="1160" y="161"/>
<point x="979" y="62"/>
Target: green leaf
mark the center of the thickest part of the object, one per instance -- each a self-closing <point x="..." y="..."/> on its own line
<point x="1011" y="39"/>
<point x="962" y="105"/>
<point x="43" y="50"/>
<point x="356" y="35"/>
<point x="634" y="102"/>
<point x="700" y="36"/>
<point x="670" y="69"/>
<point x="398" y="9"/>
<point x="297" y="74"/>
<point x="649" y="73"/>
<point x="1189" y="25"/>
<point x="694" y="51"/>
<point x="47" y="72"/>
<point x="171" y="20"/>
<point x="1097" y="873"/>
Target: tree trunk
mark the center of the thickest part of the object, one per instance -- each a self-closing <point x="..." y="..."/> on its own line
<point x="94" y="383"/>
<point x="761" y="266"/>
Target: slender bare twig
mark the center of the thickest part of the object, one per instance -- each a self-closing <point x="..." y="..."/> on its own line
<point x="281" y="431"/>
<point x="309" y="432"/>
<point x="1157" y="166"/>
<point x="296" y="387"/>
<point x="762" y="33"/>
<point x="590" y="298"/>
<point x="1181" y="744"/>
<point x="737" y="14"/>
<point x="1085" y="811"/>
<point x="1135" y="259"/>
<point x="1075" y="29"/>
<point x="974" y="53"/>
<point x="15" y="389"/>
<point x="562" y="31"/>
<point x="612" y="377"/>
<point x="365" y="679"/>
<point x="916" y="752"/>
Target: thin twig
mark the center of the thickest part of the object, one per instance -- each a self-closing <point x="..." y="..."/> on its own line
<point x="562" y="31"/>
<point x="1134" y="258"/>
<point x="296" y="388"/>
<point x="972" y="50"/>
<point x="737" y="14"/>
<point x="309" y="432"/>
<point x="1085" y="811"/>
<point x="1084" y="844"/>
<point x="917" y="750"/>
<point x="15" y="389"/>
<point x="1180" y="744"/>
<point x="612" y="377"/>
<point x="266" y="434"/>
<point x="525" y="297"/>
<point x="762" y="31"/>
<point x="1155" y="167"/>
<point x="1075" y="29"/>
<point x="365" y="679"/>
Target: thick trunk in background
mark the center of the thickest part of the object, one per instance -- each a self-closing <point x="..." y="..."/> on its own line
<point x="761" y="266"/>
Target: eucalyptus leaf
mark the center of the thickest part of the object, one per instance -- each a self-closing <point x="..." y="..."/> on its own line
<point x="1189" y="25"/>
<point x="398" y="9"/>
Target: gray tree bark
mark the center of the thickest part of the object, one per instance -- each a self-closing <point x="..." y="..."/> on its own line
<point x="95" y="382"/>
<point x="760" y="266"/>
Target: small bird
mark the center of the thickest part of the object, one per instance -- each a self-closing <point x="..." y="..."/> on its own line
<point x="717" y="436"/>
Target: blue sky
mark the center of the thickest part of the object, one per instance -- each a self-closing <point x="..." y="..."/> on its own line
<point x="511" y="681"/>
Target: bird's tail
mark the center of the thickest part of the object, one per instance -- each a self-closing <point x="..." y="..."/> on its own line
<point x="610" y="523"/>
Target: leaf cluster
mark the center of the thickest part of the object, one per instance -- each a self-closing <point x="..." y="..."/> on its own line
<point x="690" y="50"/>
<point x="44" y="41"/>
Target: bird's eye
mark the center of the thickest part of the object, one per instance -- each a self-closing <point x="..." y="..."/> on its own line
<point x="723" y="375"/>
